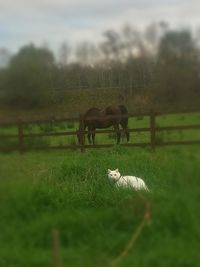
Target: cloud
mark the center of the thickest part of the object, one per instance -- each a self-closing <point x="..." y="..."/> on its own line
<point x="24" y="21"/>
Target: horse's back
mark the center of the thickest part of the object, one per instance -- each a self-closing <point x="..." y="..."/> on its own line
<point x="93" y="117"/>
<point x="100" y="116"/>
<point x="92" y="112"/>
<point x="116" y="109"/>
<point x="110" y="110"/>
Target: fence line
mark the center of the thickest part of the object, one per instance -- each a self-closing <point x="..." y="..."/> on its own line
<point x="56" y="248"/>
<point x="152" y="129"/>
<point x="146" y="220"/>
<point x="76" y="118"/>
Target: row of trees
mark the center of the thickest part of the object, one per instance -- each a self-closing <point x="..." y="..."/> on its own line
<point x="161" y="64"/>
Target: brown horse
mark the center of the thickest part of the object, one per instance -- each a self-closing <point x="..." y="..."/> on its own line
<point x="104" y="119"/>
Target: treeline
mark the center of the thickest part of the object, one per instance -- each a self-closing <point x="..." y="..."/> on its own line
<point x="159" y="64"/>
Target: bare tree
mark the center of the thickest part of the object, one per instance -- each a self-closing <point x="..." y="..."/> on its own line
<point x="132" y="40"/>
<point x="5" y="56"/>
<point x="112" y="46"/>
<point x="87" y="54"/>
<point x="64" y="54"/>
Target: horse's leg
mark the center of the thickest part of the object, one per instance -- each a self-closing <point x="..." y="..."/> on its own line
<point x="91" y="133"/>
<point x="124" y="124"/>
<point x="118" y="134"/>
<point x="93" y="136"/>
<point x="127" y="134"/>
<point x="88" y="136"/>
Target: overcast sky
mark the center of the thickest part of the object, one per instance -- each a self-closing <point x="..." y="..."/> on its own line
<point x="55" y="21"/>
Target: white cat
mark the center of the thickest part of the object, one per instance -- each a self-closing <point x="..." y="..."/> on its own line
<point x="132" y="181"/>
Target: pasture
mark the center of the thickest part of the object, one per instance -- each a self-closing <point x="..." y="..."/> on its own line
<point x="51" y="128"/>
<point x="69" y="190"/>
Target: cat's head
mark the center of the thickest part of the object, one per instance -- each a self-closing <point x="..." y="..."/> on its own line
<point x="115" y="174"/>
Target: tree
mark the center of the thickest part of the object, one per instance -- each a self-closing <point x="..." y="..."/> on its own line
<point x="112" y="46"/>
<point x="86" y="53"/>
<point x="29" y="77"/>
<point x="176" y="45"/>
<point x="178" y="68"/>
<point x="133" y="42"/>
<point x="64" y="53"/>
<point x="5" y="56"/>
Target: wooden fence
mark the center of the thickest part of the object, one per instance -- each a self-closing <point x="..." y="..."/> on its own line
<point x="152" y="129"/>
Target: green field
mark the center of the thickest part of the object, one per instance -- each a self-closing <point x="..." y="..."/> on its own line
<point x="134" y="122"/>
<point x="69" y="190"/>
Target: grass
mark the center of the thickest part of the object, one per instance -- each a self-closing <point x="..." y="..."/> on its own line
<point x="136" y="122"/>
<point x="70" y="191"/>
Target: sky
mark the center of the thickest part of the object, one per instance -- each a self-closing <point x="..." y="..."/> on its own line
<point x="55" y="21"/>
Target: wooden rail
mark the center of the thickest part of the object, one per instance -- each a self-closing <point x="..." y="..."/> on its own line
<point x="152" y="129"/>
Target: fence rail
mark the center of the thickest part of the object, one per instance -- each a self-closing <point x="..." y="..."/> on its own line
<point x="152" y="129"/>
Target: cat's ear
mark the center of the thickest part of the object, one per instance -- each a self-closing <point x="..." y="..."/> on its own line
<point x="117" y="170"/>
<point x="109" y="170"/>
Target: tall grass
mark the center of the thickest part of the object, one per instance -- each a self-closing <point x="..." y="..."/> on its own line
<point x="70" y="191"/>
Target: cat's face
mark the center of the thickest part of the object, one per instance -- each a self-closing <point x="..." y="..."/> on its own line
<point x="113" y="174"/>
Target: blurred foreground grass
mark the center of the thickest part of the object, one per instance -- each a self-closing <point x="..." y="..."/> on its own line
<point x="70" y="191"/>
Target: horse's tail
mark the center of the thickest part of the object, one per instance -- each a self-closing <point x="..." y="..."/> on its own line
<point x="123" y="109"/>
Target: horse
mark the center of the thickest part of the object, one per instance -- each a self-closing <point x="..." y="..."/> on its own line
<point x="110" y="116"/>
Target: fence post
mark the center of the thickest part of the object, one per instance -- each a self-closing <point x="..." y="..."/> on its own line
<point x="56" y="248"/>
<point x="20" y="137"/>
<point x="81" y="133"/>
<point x="153" y="130"/>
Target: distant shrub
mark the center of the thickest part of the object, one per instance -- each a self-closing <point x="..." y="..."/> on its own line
<point x="28" y="127"/>
<point x="140" y="118"/>
<point x="62" y="125"/>
<point x="70" y="125"/>
<point x="47" y="127"/>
